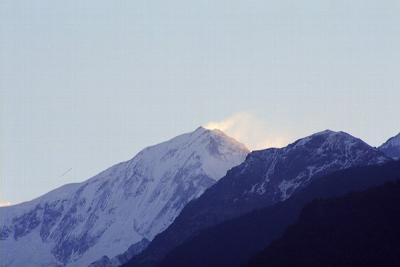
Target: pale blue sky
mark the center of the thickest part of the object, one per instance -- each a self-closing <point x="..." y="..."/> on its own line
<point x="86" y="84"/>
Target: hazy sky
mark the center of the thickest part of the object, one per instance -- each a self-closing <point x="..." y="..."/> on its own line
<point x="86" y="84"/>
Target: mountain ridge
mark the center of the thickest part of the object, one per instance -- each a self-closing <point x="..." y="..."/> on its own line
<point x="264" y="178"/>
<point x="77" y="224"/>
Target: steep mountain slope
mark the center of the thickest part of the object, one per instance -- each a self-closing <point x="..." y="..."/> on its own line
<point x="359" y="229"/>
<point x="234" y="242"/>
<point x="124" y="205"/>
<point x="265" y="178"/>
<point x="391" y="147"/>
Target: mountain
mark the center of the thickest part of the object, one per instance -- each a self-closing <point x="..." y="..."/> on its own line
<point x="359" y="229"/>
<point x="265" y="178"/>
<point x="391" y="147"/>
<point x="119" y="210"/>
<point x="236" y="241"/>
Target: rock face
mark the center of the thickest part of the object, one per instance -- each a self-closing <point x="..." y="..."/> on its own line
<point x="265" y="178"/>
<point x="116" y="211"/>
<point x="391" y="147"/>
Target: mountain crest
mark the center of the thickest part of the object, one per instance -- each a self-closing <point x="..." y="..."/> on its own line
<point x="314" y="155"/>
<point x="130" y="202"/>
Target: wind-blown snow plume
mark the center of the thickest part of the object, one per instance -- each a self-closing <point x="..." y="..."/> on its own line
<point x="4" y="203"/>
<point x="251" y="130"/>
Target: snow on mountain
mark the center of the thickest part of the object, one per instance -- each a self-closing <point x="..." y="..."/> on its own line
<point x="392" y="147"/>
<point x="124" y="205"/>
<point x="313" y="156"/>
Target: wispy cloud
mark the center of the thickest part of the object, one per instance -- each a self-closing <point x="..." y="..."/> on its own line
<point x="4" y="203"/>
<point x="251" y="130"/>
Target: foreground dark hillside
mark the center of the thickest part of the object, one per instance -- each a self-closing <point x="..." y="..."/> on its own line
<point x="360" y="229"/>
<point x="236" y="241"/>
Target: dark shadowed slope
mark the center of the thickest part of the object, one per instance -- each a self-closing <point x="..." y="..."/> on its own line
<point x="265" y="178"/>
<point x="236" y="241"/>
<point x="360" y="229"/>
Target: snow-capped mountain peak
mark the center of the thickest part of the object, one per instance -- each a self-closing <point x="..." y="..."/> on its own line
<point x="212" y="148"/>
<point x="126" y="204"/>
